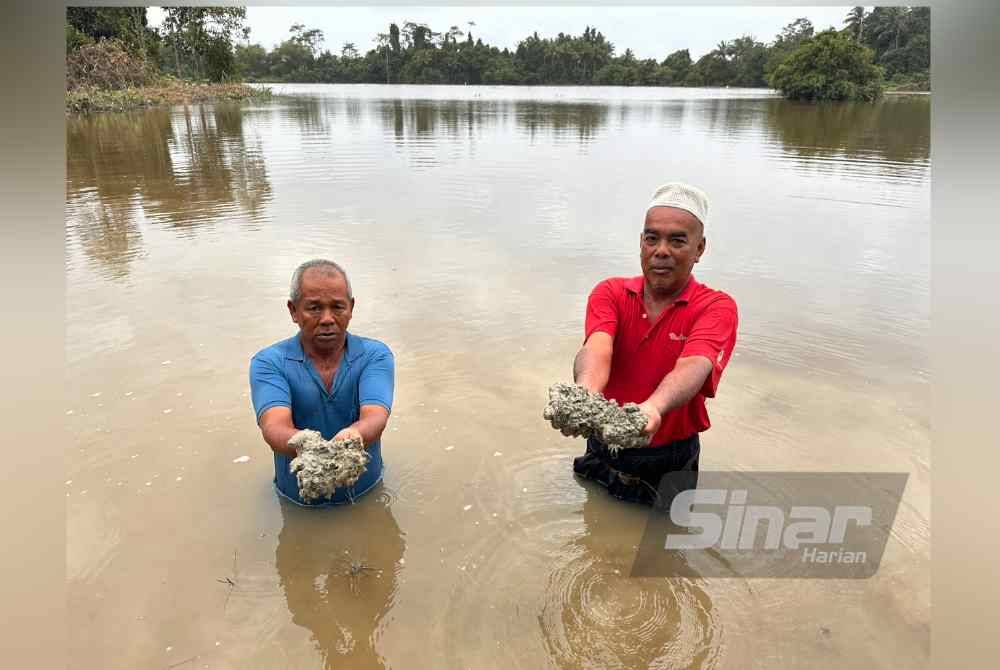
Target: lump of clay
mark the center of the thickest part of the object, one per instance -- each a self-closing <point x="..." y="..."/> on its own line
<point x="575" y="411"/>
<point x="322" y="466"/>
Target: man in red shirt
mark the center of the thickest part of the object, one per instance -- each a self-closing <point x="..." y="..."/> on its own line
<point x="661" y="340"/>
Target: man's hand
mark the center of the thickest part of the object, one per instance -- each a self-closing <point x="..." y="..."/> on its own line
<point x="349" y="433"/>
<point x="654" y="418"/>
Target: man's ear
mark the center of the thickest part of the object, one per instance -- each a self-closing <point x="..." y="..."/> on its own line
<point x="291" y="311"/>
<point x="702" y="243"/>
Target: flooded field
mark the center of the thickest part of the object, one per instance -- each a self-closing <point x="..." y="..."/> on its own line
<point x="473" y="222"/>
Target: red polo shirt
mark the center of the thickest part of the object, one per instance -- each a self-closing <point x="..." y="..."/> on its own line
<point x="701" y="322"/>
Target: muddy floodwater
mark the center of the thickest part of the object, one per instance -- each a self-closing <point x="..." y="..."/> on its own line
<point x="473" y="222"/>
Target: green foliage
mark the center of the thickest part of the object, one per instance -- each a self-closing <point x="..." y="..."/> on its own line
<point x="126" y="25"/>
<point x="791" y="36"/>
<point x="219" y="61"/>
<point x="914" y="81"/>
<point x="76" y="38"/>
<point x="199" y="39"/>
<point x="898" y="36"/>
<point x="830" y="66"/>
<point x="855" y="22"/>
<point x="251" y="59"/>
<point x="204" y="43"/>
<point x="678" y="64"/>
<point x="394" y="37"/>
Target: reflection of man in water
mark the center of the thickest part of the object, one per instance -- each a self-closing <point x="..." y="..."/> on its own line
<point x="595" y="614"/>
<point x="661" y="340"/>
<point x="325" y="379"/>
<point x="343" y="612"/>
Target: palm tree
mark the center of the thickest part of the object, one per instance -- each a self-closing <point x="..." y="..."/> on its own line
<point x="725" y="49"/>
<point x="890" y="24"/>
<point x="855" y="21"/>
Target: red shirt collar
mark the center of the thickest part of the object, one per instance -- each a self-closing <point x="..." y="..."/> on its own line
<point x="635" y="285"/>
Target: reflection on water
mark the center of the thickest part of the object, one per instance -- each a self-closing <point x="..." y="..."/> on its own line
<point x="595" y="616"/>
<point x="467" y="118"/>
<point x="186" y="168"/>
<point x="344" y="612"/>
<point x="894" y="130"/>
<point x="474" y="221"/>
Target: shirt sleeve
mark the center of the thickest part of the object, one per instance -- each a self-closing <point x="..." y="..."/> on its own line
<point x="713" y="335"/>
<point x="268" y="386"/>
<point x="602" y="311"/>
<point x="377" y="382"/>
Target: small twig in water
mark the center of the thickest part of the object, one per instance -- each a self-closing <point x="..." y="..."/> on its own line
<point x="231" y="581"/>
<point x="355" y="570"/>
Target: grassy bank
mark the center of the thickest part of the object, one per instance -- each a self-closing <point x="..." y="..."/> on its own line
<point x="166" y="91"/>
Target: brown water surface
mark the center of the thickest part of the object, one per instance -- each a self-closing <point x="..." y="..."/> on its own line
<point x="473" y="222"/>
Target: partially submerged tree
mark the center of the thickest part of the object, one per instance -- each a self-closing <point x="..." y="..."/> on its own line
<point x="830" y="66"/>
<point x="791" y="36"/>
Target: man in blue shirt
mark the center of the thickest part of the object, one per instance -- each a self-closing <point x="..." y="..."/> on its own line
<point x="324" y="379"/>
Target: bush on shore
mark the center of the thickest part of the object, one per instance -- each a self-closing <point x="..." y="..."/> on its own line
<point x="103" y="76"/>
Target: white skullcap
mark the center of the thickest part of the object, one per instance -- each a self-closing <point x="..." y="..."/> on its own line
<point x="682" y="196"/>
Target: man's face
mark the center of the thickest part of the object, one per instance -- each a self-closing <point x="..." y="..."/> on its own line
<point x="323" y="310"/>
<point x="670" y="244"/>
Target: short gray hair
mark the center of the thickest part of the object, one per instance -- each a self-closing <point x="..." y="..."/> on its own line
<point x="327" y="267"/>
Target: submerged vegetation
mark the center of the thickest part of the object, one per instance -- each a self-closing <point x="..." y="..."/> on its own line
<point x="165" y="91"/>
<point x="887" y="48"/>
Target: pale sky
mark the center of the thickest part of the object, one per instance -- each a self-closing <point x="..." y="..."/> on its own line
<point x="651" y="32"/>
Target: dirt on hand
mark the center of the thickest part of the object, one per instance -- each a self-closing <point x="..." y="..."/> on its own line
<point x="322" y="466"/>
<point x="577" y="412"/>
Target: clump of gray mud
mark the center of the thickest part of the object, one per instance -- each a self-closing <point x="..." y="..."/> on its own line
<point x="322" y="466"/>
<point x="577" y="412"/>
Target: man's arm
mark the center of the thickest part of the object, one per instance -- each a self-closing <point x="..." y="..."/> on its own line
<point x="369" y="425"/>
<point x="678" y="387"/>
<point x="592" y="365"/>
<point x="375" y="389"/>
<point x="705" y="354"/>
<point x="277" y="428"/>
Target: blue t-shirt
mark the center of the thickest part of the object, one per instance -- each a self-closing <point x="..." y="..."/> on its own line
<point x="283" y="376"/>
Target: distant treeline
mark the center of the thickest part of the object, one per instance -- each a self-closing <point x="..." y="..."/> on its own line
<point x="212" y="43"/>
<point x="415" y="54"/>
